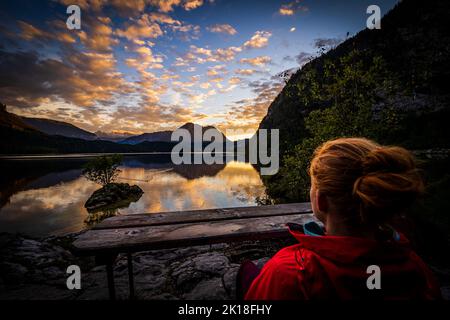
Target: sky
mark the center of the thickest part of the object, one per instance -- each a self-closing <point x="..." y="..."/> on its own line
<point x="149" y="65"/>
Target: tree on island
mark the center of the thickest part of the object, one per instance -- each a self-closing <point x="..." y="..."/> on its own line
<point x="104" y="169"/>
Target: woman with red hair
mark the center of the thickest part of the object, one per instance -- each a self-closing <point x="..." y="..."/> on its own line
<point x="357" y="188"/>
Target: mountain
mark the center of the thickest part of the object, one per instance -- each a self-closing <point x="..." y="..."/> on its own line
<point x="16" y="141"/>
<point x="41" y="136"/>
<point x="413" y="45"/>
<point x="165" y="136"/>
<point x="111" y="136"/>
<point x="53" y="127"/>
<point x="192" y="127"/>
<point x="20" y="138"/>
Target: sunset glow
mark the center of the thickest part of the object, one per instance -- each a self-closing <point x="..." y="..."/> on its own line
<point x="146" y="65"/>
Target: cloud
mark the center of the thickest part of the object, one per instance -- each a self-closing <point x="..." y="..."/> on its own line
<point x="326" y="43"/>
<point x="192" y="4"/>
<point x="151" y="117"/>
<point x="146" y="60"/>
<point x="123" y="7"/>
<point x="257" y="61"/>
<point x="144" y="27"/>
<point x="201" y="55"/>
<point x="216" y="71"/>
<point x="134" y="7"/>
<point x="94" y="5"/>
<point x="222" y="28"/>
<point x="234" y="80"/>
<point x="98" y="35"/>
<point x="252" y="109"/>
<point x="168" y="5"/>
<point x="259" y="40"/>
<point x="163" y="18"/>
<point x="245" y="72"/>
<point x="205" y="85"/>
<point x="303" y="57"/>
<point x="289" y="9"/>
<point x="187" y="32"/>
<point x="82" y="79"/>
<point x="196" y="99"/>
<point x="165" y="5"/>
<point x="31" y="33"/>
<point x="128" y="7"/>
<point x="285" y="11"/>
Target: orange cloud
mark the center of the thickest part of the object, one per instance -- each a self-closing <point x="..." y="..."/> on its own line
<point x="284" y="11"/>
<point x="144" y="27"/>
<point x="234" y="80"/>
<point x="168" y="5"/>
<point x="192" y="4"/>
<point x="259" y="40"/>
<point x="257" y="61"/>
<point x="245" y="72"/>
<point x="289" y="9"/>
<point x="99" y="35"/>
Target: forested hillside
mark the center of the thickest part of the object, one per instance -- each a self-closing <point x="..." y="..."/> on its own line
<point x="390" y="85"/>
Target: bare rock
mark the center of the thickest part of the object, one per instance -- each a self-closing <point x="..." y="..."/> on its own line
<point x="211" y="289"/>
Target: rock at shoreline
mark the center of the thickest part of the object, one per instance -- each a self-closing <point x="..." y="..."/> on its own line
<point x="36" y="269"/>
<point x="113" y="195"/>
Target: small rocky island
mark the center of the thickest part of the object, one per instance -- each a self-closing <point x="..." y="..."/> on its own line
<point x="113" y="195"/>
<point x="104" y="170"/>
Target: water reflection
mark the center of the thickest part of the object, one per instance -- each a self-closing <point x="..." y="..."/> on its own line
<point x="42" y="197"/>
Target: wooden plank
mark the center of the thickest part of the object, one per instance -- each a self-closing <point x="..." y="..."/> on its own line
<point x="110" y="241"/>
<point x="192" y="216"/>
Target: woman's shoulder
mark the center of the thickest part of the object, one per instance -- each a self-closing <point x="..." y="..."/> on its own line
<point x="289" y="258"/>
<point x="280" y="278"/>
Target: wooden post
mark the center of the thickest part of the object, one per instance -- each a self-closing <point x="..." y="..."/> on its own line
<point x="108" y="260"/>
<point x="110" y="275"/>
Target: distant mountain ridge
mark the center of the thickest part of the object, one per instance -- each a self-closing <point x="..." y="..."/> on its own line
<point x="56" y="137"/>
<point x="53" y="127"/>
<point x="150" y="137"/>
<point x="68" y="130"/>
<point x="165" y="136"/>
<point x="111" y="136"/>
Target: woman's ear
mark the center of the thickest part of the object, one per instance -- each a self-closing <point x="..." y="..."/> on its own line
<point x="322" y="202"/>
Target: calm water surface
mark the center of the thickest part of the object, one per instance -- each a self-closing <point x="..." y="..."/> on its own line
<point x="41" y="197"/>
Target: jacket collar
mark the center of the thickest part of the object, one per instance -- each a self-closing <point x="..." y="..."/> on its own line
<point x="350" y="249"/>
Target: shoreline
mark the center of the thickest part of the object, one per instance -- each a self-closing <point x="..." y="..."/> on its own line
<point x="91" y="155"/>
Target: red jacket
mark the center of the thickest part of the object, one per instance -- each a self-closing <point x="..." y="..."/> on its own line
<point x="332" y="267"/>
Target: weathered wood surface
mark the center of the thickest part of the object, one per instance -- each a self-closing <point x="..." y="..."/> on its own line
<point x="197" y="216"/>
<point x="110" y="241"/>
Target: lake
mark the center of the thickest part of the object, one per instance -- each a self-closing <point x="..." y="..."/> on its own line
<point x="46" y="196"/>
